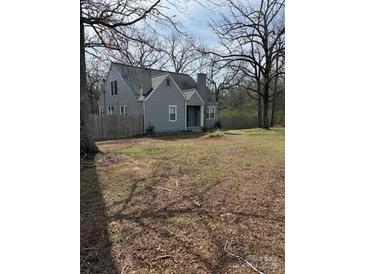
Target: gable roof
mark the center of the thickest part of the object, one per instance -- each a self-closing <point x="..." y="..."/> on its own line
<point x="143" y="80"/>
<point x="156" y="81"/>
<point x="188" y="93"/>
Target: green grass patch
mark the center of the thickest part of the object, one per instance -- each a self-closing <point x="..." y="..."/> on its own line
<point x="116" y="237"/>
<point x="179" y="220"/>
<point x="216" y="133"/>
<point x="257" y="132"/>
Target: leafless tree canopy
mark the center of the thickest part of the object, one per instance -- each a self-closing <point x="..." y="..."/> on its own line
<point x="252" y="42"/>
<point x="111" y="25"/>
<point x="181" y="54"/>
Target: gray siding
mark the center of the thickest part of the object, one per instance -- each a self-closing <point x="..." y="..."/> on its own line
<point x="125" y="95"/>
<point x="194" y="100"/>
<point x="211" y="122"/>
<point x="157" y="108"/>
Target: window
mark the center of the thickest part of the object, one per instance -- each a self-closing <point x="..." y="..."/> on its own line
<point x="114" y="88"/>
<point x="101" y="111"/>
<point x="110" y="110"/>
<point x="168" y="82"/>
<point x="172" y="113"/>
<point x="210" y="114"/>
<point x="123" y="110"/>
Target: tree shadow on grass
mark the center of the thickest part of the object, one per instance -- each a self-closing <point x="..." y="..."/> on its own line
<point x="95" y="246"/>
<point x="154" y="222"/>
<point x="142" y="222"/>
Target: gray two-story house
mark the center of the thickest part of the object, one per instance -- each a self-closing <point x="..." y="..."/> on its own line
<point x="168" y="101"/>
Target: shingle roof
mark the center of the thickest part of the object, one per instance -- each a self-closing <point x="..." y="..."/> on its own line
<point x="157" y="80"/>
<point x="143" y="80"/>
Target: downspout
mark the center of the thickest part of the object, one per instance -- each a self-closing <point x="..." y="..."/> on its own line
<point x="203" y="115"/>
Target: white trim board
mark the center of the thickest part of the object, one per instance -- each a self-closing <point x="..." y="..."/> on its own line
<point x="174" y="106"/>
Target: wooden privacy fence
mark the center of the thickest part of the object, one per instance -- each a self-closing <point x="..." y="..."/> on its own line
<point x="116" y="126"/>
<point x="238" y="121"/>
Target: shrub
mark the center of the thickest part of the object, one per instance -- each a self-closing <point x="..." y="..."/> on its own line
<point x="150" y="130"/>
<point x="218" y="124"/>
<point x="216" y="133"/>
<point x="205" y="129"/>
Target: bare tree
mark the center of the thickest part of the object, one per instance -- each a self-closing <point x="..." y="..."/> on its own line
<point x="144" y="51"/>
<point x="181" y="54"/>
<point x="102" y="25"/>
<point x="253" y="34"/>
<point x="275" y="90"/>
<point x="95" y="75"/>
<point x="221" y="77"/>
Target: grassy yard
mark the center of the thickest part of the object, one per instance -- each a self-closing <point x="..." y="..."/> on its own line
<point x="176" y="204"/>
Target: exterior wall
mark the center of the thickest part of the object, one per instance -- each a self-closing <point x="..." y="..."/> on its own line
<point x="157" y="108"/>
<point x="211" y="122"/>
<point x="125" y="96"/>
<point x="194" y="100"/>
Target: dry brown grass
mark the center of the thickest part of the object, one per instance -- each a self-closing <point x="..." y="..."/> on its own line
<point x="185" y="196"/>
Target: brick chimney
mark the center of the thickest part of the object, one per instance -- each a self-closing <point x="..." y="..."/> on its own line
<point x="201" y="86"/>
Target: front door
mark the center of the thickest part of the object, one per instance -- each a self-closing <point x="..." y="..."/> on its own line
<point x="193" y="116"/>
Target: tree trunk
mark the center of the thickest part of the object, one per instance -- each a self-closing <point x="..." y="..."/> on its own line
<point x="275" y="90"/>
<point x="273" y="99"/>
<point x="266" y="105"/>
<point x="259" y="111"/>
<point x="87" y="142"/>
<point x="272" y="110"/>
<point x="259" y="102"/>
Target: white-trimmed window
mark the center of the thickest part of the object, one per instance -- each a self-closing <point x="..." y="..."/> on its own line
<point x="123" y="110"/>
<point x="101" y="111"/>
<point x="110" y="110"/>
<point x="114" y="88"/>
<point x="172" y="113"/>
<point x="210" y="112"/>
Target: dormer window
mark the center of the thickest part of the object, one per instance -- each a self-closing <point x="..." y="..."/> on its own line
<point x="168" y="82"/>
<point x="114" y="88"/>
